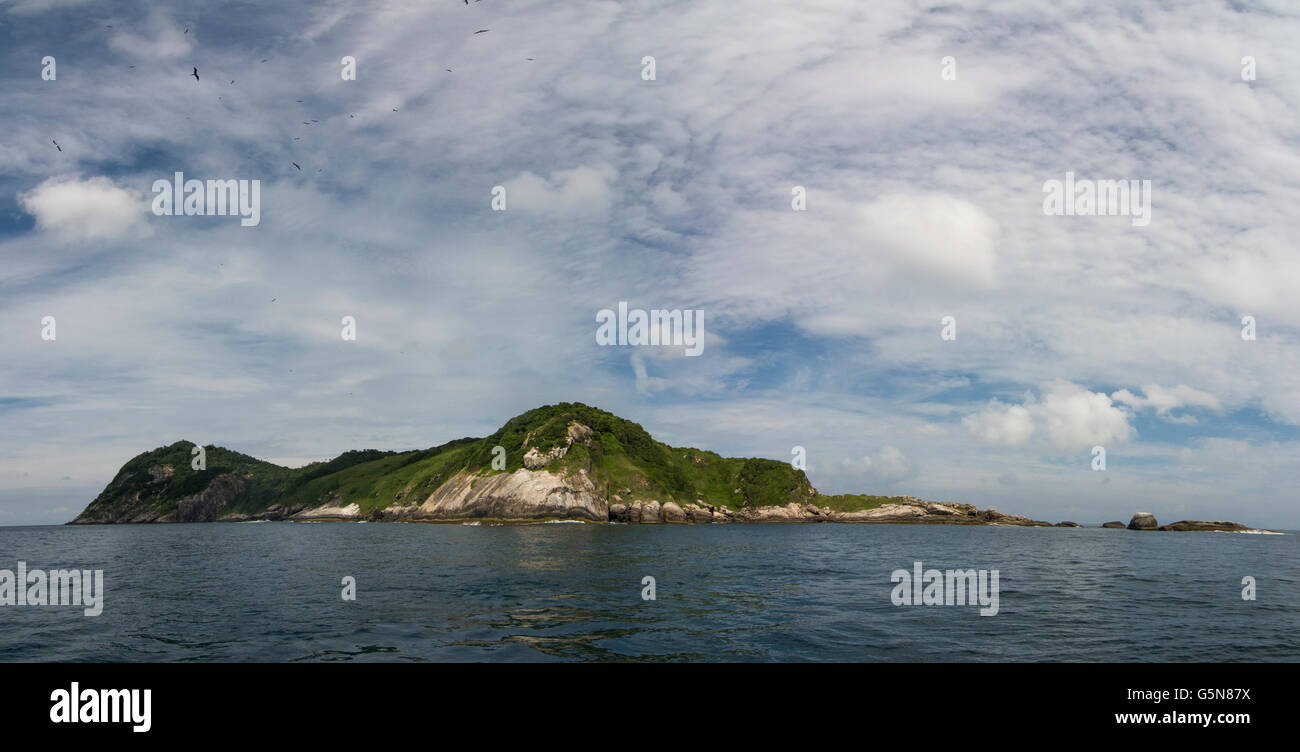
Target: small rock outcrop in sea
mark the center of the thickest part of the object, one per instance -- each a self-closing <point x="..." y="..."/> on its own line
<point x="1193" y="525"/>
<point x="1067" y="523"/>
<point x="1114" y="525"/>
<point x="1143" y="521"/>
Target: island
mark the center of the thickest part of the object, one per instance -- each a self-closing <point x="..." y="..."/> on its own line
<point x="567" y="461"/>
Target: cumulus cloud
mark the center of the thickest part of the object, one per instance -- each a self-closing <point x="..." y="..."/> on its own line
<point x="72" y="210"/>
<point x="1067" y="415"/>
<point x="1002" y="425"/>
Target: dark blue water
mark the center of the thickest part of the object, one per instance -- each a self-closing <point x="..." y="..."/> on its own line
<point x="271" y="592"/>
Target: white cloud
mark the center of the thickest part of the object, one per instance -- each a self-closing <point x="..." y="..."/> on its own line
<point x="581" y="190"/>
<point x="885" y="468"/>
<point x="933" y="237"/>
<point x="163" y="39"/>
<point x="1077" y="418"/>
<point x="1165" y="400"/>
<point x="32" y="7"/>
<point x="75" y="210"/>
<point x="1070" y="416"/>
<point x="646" y="384"/>
<point x="1283" y="406"/>
<point x="1002" y="425"/>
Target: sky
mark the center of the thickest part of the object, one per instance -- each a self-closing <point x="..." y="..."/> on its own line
<point x="651" y="153"/>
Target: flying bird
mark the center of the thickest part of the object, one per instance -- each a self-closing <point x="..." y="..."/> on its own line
<point x="480" y="31"/>
<point x="187" y="29"/>
<point x="295" y="164"/>
<point x="56" y="145"/>
<point x="195" y="74"/>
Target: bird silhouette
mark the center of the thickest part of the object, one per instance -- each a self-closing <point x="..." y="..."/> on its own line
<point x="480" y="31"/>
<point x="56" y="145"/>
<point x="195" y="74"/>
<point x="295" y="164"/>
<point x="187" y="29"/>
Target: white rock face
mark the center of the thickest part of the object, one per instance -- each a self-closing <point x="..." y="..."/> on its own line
<point x="534" y="459"/>
<point x="351" y="511"/>
<point x="579" y="433"/>
<point x="521" y="495"/>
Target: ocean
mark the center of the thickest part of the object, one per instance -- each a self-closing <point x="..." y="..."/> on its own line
<point x="272" y="591"/>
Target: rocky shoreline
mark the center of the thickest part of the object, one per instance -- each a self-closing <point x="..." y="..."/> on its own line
<point x="908" y="510"/>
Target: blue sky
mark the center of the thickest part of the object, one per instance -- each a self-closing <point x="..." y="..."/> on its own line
<point x="823" y="326"/>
